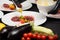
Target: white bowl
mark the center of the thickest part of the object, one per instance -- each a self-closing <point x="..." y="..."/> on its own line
<point x="46" y="9"/>
<point x="26" y="5"/>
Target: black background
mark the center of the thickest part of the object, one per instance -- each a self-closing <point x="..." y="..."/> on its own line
<point x="51" y="23"/>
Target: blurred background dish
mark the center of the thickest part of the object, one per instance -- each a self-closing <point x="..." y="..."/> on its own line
<point x="25" y="5"/>
<point x="2" y="5"/>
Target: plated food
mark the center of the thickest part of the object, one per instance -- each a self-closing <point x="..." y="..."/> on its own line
<point x="22" y="19"/>
<point x="32" y="16"/>
<point x="9" y="6"/>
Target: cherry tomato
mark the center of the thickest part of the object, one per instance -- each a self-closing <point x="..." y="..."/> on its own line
<point x="22" y="21"/>
<point x="34" y="36"/>
<point x="30" y="34"/>
<point x="50" y="38"/>
<point x="38" y="36"/>
<point x="12" y="6"/>
<point x="25" y="35"/>
<point x="43" y="37"/>
<point x="56" y="37"/>
<point x="28" y="38"/>
<point x="23" y="38"/>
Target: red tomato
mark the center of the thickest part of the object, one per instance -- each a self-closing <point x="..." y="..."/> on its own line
<point x="22" y="21"/>
<point x="28" y="38"/>
<point x="23" y="38"/>
<point x="25" y="35"/>
<point x="38" y="36"/>
<point x="50" y="38"/>
<point x="30" y="34"/>
<point x="43" y="37"/>
<point x="12" y="6"/>
<point x="56" y="37"/>
<point x="34" y="36"/>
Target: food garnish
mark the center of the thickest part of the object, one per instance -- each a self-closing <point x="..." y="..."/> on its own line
<point x="22" y="19"/>
<point x="9" y="6"/>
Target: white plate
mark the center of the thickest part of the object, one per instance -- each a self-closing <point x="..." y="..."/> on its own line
<point x="57" y="16"/>
<point x="1" y="14"/>
<point x="1" y="5"/>
<point x="25" y="6"/>
<point x="38" y="18"/>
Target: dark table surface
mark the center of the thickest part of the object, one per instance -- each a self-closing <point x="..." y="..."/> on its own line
<point x="51" y="23"/>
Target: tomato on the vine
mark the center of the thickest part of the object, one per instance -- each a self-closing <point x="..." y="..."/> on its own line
<point x="50" y="37"/>
<point x="23" y="38"/>
<point x="43" y="37"/>
<point x="38" y="36"/>
<point x="28" y="38"/>
<point x="30" y="34"/>
<point x="25" y="35"/>
<point x="34" y="36"/>
<point x="55" y="37"/>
